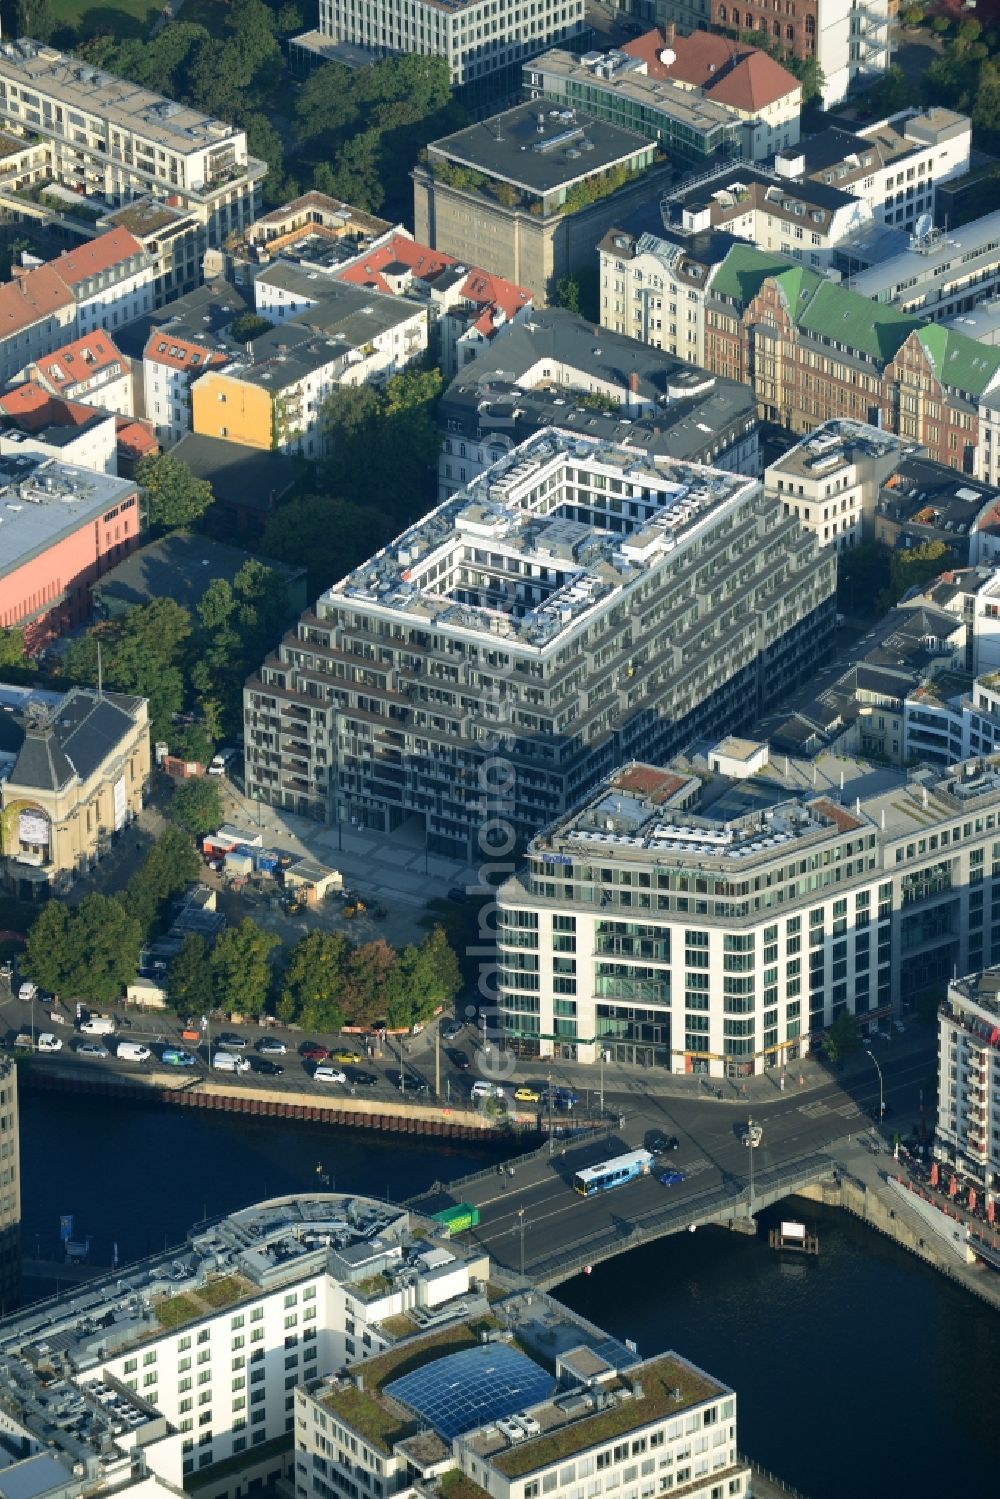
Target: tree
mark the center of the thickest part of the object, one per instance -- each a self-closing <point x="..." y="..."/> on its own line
<point x="423" y="979"/>
<point x="196" y="806"/>
<point x="842" y="1038"/>
<point x="37" y="19"/>
<point x="171" y="864"/>
<point x="189" y="982"/>
<point x="241" y="970"/>
<point x="892" y="92"/>
<point x="325" y="536"/>
<point x="568" y="293"/>
<point x="915" y="566"/>
<point x="313" y="987"/>
<point x="11" y="647"/>
<point x="143" y="653"/>
<point x="862" y="576"/>
<point x="811" y="76"/>
<point x="174" y="496"/>
<point x="248" y="325"/>
<point x="90" y="952"/>
<point x="366" y="976"/>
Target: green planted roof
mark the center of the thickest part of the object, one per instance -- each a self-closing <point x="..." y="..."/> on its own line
<point x="857" y="322"/>
<point x="960" y="362"/>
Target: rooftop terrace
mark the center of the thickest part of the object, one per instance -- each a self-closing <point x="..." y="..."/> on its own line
<point x="527" y="550"/>
<point x="839" y="444"/>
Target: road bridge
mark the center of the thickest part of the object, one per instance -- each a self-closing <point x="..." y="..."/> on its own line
<point x="534" y="1224"/>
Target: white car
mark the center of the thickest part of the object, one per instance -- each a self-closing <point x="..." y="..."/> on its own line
<point x="48" y="1042"/>
<point x="325" y="1074"/>
<point x="27" y="992"/>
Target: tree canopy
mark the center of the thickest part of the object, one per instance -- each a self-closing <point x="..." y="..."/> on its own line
<point x="196" y="806"/>
<point x="328" y="983"/>
<point x="241" y="968"/>
<point x="88" y="952"/>
<point x="174" y="496"/>
<point x="189" y="982"/>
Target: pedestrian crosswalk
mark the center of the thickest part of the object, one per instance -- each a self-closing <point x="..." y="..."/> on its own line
<point x="814" y="1110"/>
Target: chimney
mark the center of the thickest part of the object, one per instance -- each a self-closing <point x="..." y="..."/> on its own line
<point x="669" y="33"/>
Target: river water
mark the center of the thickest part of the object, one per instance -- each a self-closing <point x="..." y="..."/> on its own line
<point x="863" y="1372"/>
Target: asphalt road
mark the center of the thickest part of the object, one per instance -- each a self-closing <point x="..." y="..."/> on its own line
<point x="796" y="1126"/>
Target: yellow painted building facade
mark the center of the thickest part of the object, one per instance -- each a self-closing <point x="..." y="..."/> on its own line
<point x="238" y="410"/>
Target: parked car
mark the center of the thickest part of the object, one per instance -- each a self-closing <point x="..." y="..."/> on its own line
<point x="172" y="1056"/>
<point x="312" y="1051"/>
<point x="409" y="1082"/>
<point x="359" y="1079"/>
<point x="6" y="969"/>
<point x="270" y="1046"/>
<point x="27" y="991"/>
<point x="458" y="1059"/>
<point x="230" y="1061"/>
<point x="450" y="1029"/>
<point x="325" y="1074"/>
<point x="48" y="1042"/>
<point x="265" y="1067"/>
<point x="527" y="1095"/>
<point x="483" y="1089"/>
<point x="92" y="1049"/>
<point x="231" y="1041"/>
<point x="343" y="1054"/>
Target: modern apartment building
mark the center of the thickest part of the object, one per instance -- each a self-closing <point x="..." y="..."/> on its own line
<point x="712" y="924"/>
<point x="549" y="372"/>
<point x="74" y="771"/>
<point x="699" y="96"/>
<point x="529" y="192"/>
<point x="967" y="1135"/>
<point x="477" y="40"/>
<point x="814" y="351"/>
<point x="848" y="38"/>
<point x="893" y="166"/>
<point x="543" y="1401"/>
<point x="62" y="527"/>
<point x="113" y="141"/>
<point x="575" y="602"/>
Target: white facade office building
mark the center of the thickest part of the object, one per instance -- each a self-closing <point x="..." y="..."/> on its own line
<point x="477" y="37"/>
<point x="714" y="925"/>
<point x="113" y="141"/>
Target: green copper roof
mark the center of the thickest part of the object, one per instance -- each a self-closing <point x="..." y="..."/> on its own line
<point x="958" y="361"/>
<point x="745" y="269"/>
<point x="857" y="322"/>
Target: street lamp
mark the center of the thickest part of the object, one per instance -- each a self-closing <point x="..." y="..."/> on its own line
<point x="881" y="1090"/>
<point x="604" y="1058"/>
<point x="521" y="1225"/>
<point x="752" y="1137"/>
<point x="548" y="1095"/>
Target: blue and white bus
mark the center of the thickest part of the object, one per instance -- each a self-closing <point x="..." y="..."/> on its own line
<point x="614" y="1173"/>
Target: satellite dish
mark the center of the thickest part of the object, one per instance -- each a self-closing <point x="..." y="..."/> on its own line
<point x="667" y="56"/>
<point x="923" y="226"/>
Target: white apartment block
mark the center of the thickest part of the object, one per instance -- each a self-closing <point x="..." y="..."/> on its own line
<point x="562" y="1413"/>
<point x="704" y="924"/>
<point x="91" y="370"/>
<point x="946" y="730"/>
<point x="477" y="37"/>
<point x="987" y="462"/>
<point x="967" y="1135"/>
<point x="114" y="141"/>
<point x="893" y="166"/>
<point x="830" y="480"/>
<point x="91" y="443"/>
<point x="171" y="361"/>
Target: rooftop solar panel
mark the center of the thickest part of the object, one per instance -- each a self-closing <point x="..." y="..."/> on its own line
<point x="463" y="1390"/>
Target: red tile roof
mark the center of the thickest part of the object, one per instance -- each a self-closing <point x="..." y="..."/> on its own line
<point x="480" y="287"/>
<point x="31" y="407"/>
<point x="32" y="297"/>
<point x="726" y="71"/>
<point x="79" y="360"/>
<point x="96" y="255"/>
<point x="164" y="347"/>
<point x="134" y="437"/>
